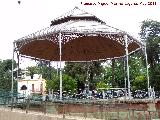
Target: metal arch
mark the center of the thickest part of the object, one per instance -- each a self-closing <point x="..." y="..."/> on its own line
<point x="50" y="34"/>
<point x="114" y="36"/>
<point x="71" y="36"/>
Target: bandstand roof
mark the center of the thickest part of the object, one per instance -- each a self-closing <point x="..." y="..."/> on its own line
<point x="83" y="37"/>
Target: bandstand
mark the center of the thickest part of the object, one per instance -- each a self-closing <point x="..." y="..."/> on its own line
<point x="78" y="36"/>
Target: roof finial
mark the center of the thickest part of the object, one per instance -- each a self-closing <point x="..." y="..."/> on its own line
<point x="19" y="2"/>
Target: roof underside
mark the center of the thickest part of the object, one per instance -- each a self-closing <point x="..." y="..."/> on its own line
<point x="83" y="37"/>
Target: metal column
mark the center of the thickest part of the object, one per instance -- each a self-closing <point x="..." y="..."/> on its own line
<point x="125" y="82"/>
<point x="127" y="65"/>
<point x="60" y="68"/>
<point x="18" y="72"/>
<point x="87" y="79"/>
<point x="57" y="69"/>
<point x="146" y="58"/>
<point x="12" y="76"/>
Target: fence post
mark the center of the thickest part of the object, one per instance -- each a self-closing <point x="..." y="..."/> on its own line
<point x="133" y="115"/>
<point x="85" y="111"/>
<point x="106" y="114"/>
<point x="63" y="110"/>
<point x="44" y="107"/>
<point x="118" y="114"/>
<point x="27" y="106"/>
<point x="101" y="109"/>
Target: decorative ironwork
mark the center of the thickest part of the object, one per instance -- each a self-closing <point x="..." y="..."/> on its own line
<point x="76" y="28"/>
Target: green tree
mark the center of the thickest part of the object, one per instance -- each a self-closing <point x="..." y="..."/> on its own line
<point x="136" y="69"/>
<point x="81" y="71"/>
<point x="150" y="34"/>
<point x="78" y="72"/>
<point x="53" y="83"/>
<point x="101" y="84"/>
<point x="45" y="68"/>
<point x="139" y="83"/>
<point x="95" y="74"/>
<point x="68" y="83"/>
<point x="115" y="76"/>
<point x="32" y="70"/>
<point x="6" y="74"/>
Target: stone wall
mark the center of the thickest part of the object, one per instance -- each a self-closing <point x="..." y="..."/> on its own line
<point x="56" y="111"/>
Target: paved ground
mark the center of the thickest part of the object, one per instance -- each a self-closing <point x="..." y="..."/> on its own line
<point x="16" y="114"/>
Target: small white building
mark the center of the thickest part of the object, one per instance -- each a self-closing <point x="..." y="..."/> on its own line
<point x="29" y="86"/>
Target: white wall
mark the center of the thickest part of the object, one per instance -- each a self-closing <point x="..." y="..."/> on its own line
<point x="28" y="83"/>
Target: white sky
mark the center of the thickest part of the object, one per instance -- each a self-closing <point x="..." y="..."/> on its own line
<point x="30" y="16"/>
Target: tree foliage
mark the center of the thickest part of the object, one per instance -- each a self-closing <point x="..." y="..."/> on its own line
<point x="6" y="74"/>
<point x="45" y="68"/>
<point x="82" y="71"/>
<point x="136" y="69"/>
<point x="150" y="34"/>
<point x="68" y="83"/>
<point x="32" y="70"/>
<point x="101" y="84"/>
<point x="118" y="74"/>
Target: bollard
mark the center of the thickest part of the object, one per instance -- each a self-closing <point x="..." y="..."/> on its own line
<point x="11" y="103"/>
<point x="44" y="107"/>
<point x="106" y="115"/>
<point x="118" y="115"/>
<point x="16" y="102"/>
<point x="85" y="111"/>
<point x="133" y="117"/>
<point x="63" y="110"/>
<point x="27" y="106"/>
<point x="149" y="115"/>
<point x="101" y="109"/>
<point x="129" y="114"/>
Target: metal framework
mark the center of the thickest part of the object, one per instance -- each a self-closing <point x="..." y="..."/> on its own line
<point x="78" y="36"/>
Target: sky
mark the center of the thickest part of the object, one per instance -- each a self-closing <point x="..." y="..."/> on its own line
<point x="18" y="20"/>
